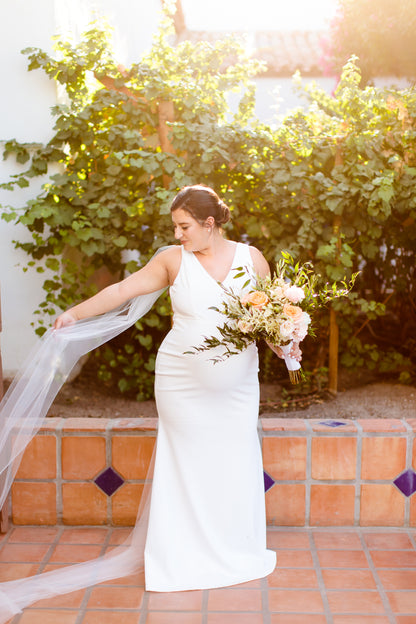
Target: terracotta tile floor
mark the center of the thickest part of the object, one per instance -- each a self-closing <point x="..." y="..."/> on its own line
<point x="323" y="576"/>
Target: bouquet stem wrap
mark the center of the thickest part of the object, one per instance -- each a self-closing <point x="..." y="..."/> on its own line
<point x="292" y="365"/>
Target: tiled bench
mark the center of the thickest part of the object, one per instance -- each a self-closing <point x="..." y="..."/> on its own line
<point x="340" y="473"/>
<point x="90" y="471"/>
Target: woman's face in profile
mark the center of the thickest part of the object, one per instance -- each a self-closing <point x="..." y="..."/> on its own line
<point x="188" y="231"/>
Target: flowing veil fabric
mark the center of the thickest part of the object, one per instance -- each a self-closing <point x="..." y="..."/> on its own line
<point x="122" y="561"/>
<point x="22" y="411"/>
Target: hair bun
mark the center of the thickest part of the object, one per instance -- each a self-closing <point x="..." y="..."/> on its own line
<point x="201" y="202"/>
<point x="223" y="212"/>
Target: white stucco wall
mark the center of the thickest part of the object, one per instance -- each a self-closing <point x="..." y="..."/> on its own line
<point x="25" y="115"/>
<point x="276" y="96"/>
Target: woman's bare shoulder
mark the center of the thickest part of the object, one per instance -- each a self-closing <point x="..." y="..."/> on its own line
<point x="261" y="266"/>
<point x="170" y="258"/>
<point x="169" y="252"/>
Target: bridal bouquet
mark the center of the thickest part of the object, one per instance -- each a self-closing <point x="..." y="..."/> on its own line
<point x="277" y="309"/>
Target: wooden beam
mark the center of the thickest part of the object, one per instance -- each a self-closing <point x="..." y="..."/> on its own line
<point x="333" y="353"/>
<point x="333" y="325"/>
<point x="166" y="114"/>
<point x="110" y="83"/>
<point x="178" y="17"/>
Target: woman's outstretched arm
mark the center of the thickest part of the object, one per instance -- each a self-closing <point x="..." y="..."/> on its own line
<point x="152" y="277"/>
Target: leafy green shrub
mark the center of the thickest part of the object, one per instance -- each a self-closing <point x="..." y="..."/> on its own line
<point x="333" y="185"/>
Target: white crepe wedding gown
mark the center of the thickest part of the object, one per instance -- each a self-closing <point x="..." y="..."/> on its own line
<point x="207" y="523"/>
<point x="207" y="515"/>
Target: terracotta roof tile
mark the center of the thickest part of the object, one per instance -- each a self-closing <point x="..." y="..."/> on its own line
<point x="283" y="51"/>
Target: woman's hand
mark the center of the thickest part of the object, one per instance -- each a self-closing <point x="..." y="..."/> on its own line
<point x="295" y="351"/>
<point x="64" y="320"/>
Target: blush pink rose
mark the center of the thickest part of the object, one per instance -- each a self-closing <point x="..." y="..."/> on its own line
<point x="295" y="294"/>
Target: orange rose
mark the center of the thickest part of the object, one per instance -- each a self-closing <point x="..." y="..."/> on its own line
<point x="292" y="312"/>
<point x="256" y="298"/>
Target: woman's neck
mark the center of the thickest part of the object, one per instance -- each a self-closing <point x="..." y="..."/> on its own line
<point x="216" y="245"/>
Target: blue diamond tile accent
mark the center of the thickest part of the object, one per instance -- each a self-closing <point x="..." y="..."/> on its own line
<point x="268" y="481"/>
<point x="109" y="481"/>
<point x="332" y="423"/>
<point x="406" y="482"/>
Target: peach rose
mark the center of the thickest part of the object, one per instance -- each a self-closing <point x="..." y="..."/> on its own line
<point x="256" y="298"/>
<point x="293" y="313"/>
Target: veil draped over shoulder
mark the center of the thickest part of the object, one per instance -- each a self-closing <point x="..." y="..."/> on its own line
<point x="22" y="411"/>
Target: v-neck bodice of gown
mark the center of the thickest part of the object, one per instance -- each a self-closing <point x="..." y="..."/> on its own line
<point x="193" y="294"/>
<point x="195" y="291"/>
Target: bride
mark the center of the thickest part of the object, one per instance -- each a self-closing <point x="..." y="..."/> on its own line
<point x="205" y="524"/>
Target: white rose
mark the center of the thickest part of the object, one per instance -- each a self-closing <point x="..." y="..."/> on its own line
<point x="302" y="323"/>
<point x="286" y="329"/>
<point x="305" y="319"/>
<point x="277" y="293"/>
<point x="300" y="333"/>
<point x="244" y="326"/>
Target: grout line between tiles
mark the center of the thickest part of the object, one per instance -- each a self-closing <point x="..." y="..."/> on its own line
<point x="52" y="546"/>
<point x="379" y="585"/>
<point x="88" y="590"/>
<point x="143" y="609"/>
<point x="412" y="538"/>
<point x="204" y="606"/>
<point x="409" y="460"/>
<point x="265" y="600"/>
<point x="58" y="476"/>
<point x="321" y="584"/>
<point x="308" y="473"/>
<point x="358" y="480"/>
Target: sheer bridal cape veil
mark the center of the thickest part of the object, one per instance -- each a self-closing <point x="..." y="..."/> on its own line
<point x="21" y="413"/>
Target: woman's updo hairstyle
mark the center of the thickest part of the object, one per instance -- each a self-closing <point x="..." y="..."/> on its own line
<point x="201" y="202"/>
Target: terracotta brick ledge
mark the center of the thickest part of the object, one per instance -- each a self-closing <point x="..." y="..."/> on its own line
<point x="91" y="471"/>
